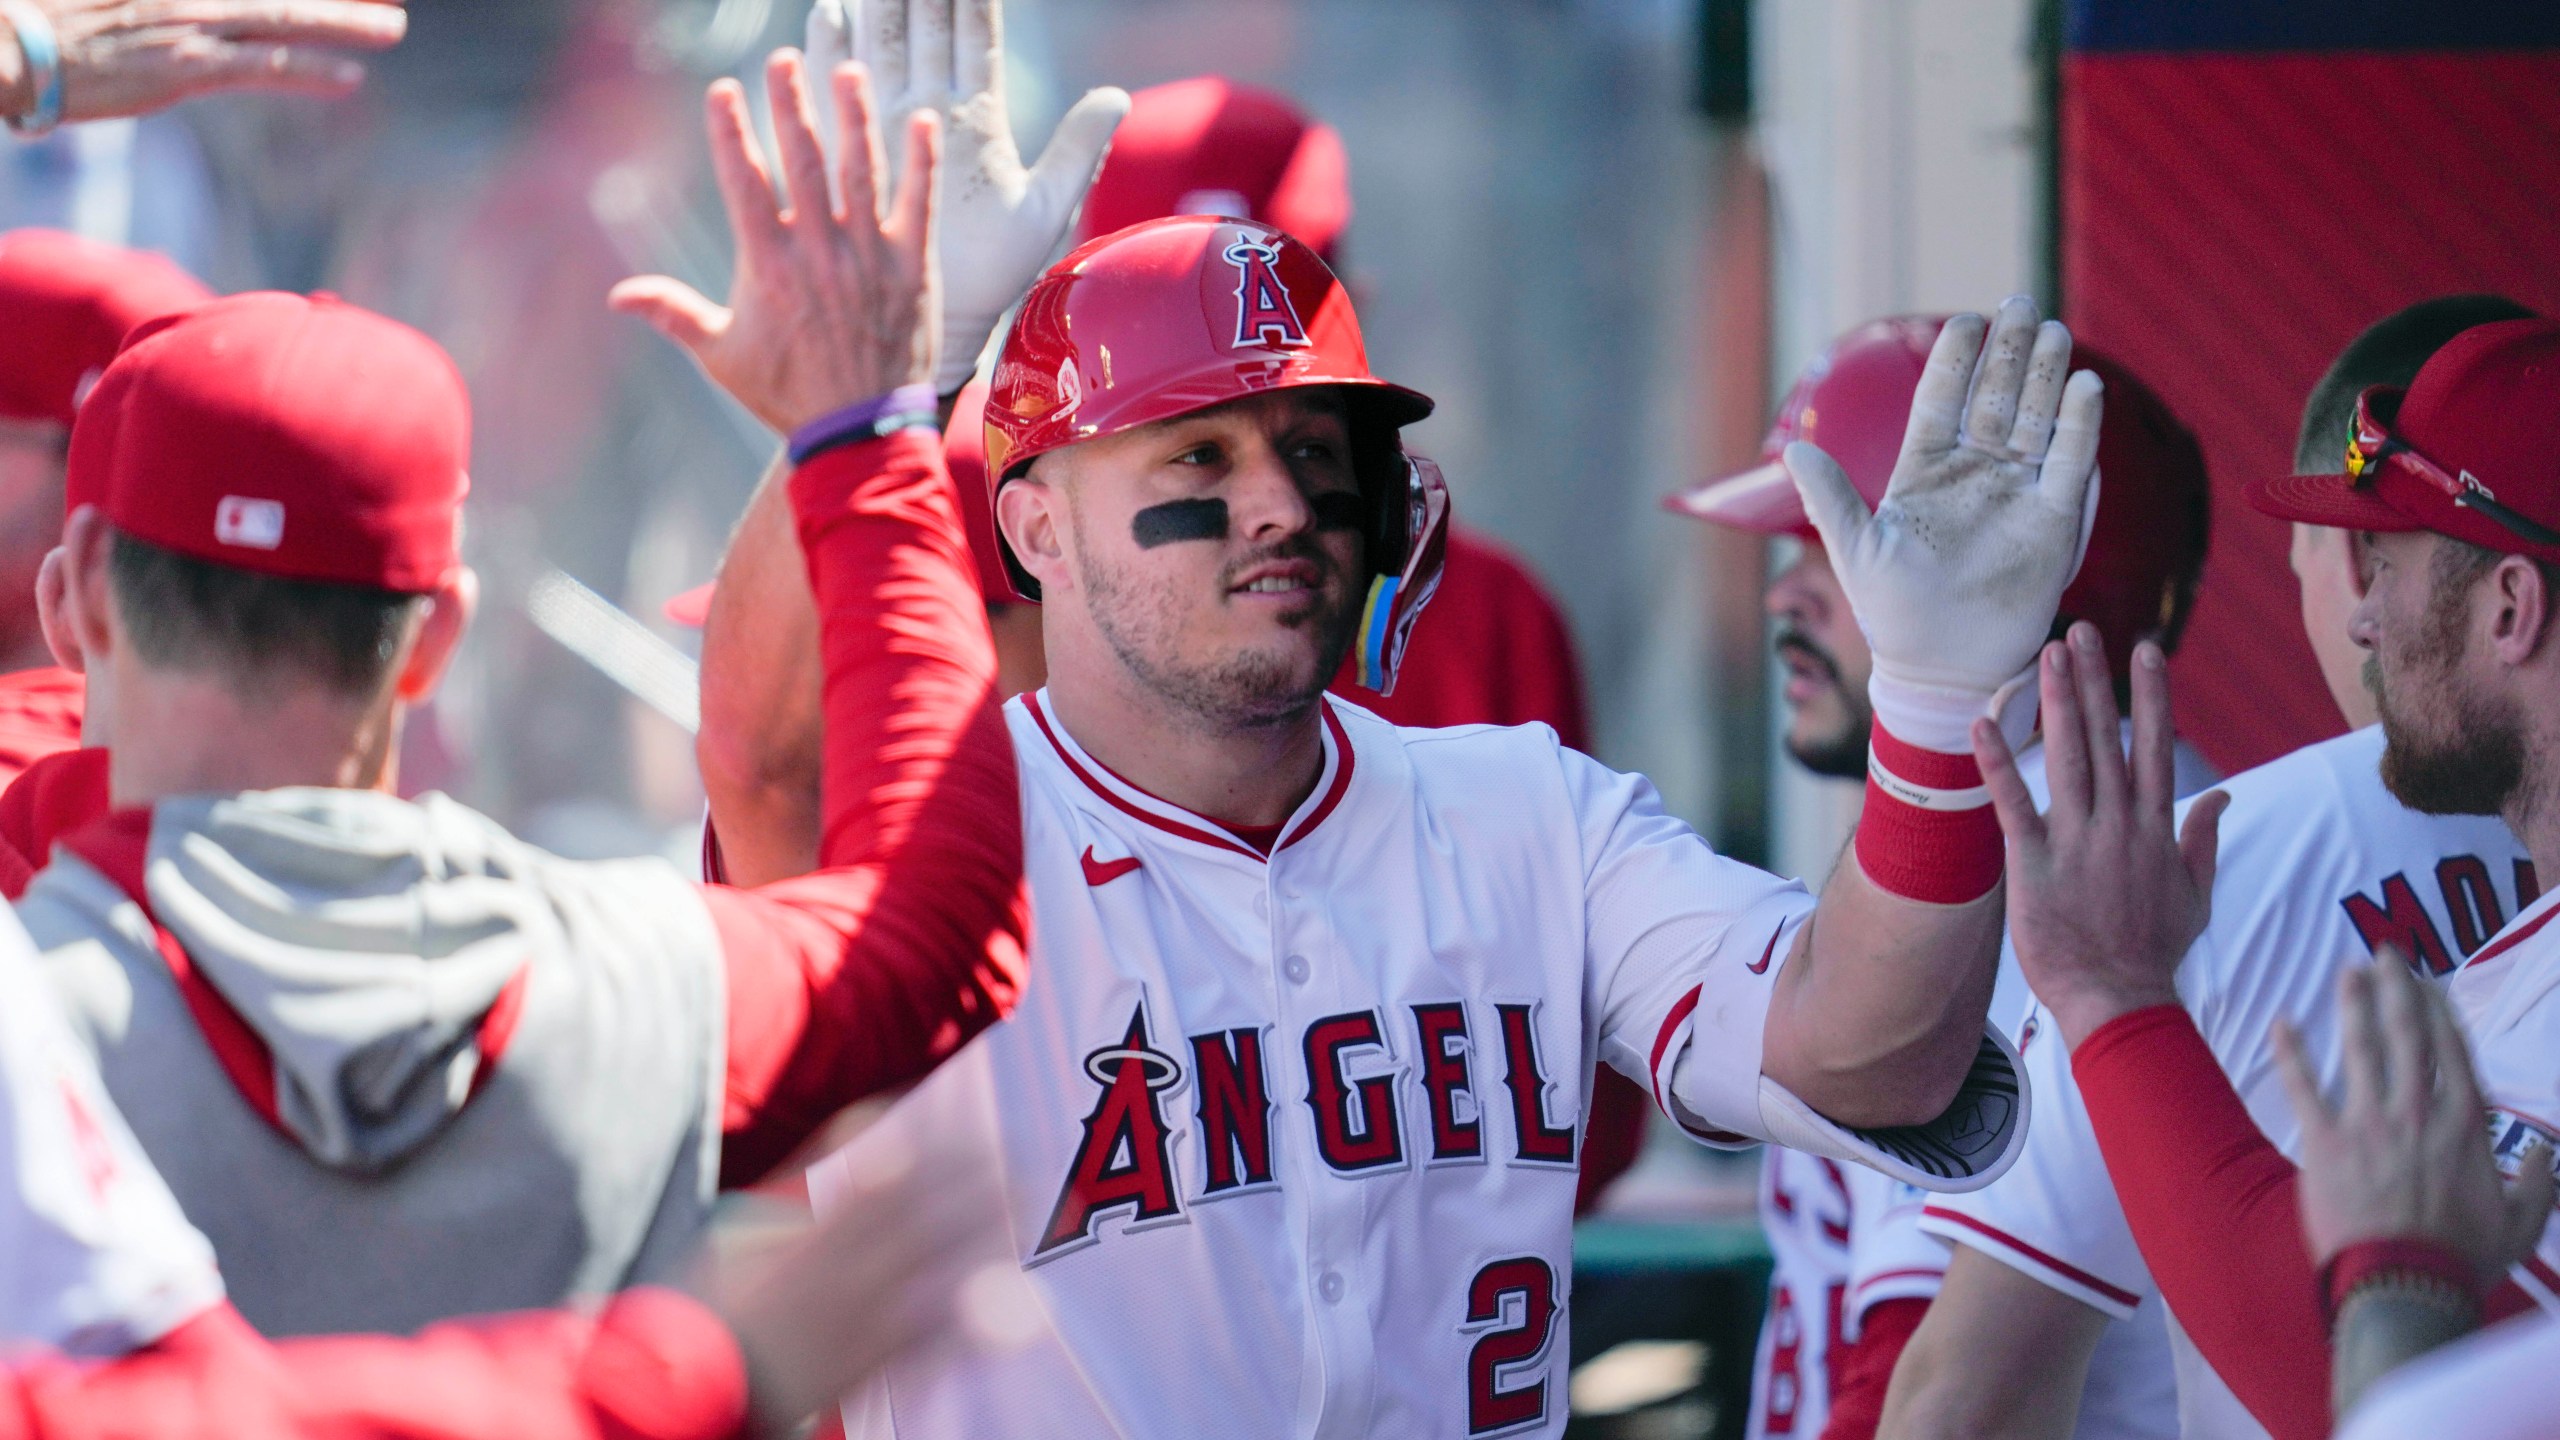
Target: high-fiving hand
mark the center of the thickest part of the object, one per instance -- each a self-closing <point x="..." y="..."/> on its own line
<point x="119" y="58"/>
<point x="2105" y="892"/>
<point x="832" y="304"/>
<point x="1000" y="223"/>
<point x="1955" y="576"/>
<point x="2405" y="1152"/>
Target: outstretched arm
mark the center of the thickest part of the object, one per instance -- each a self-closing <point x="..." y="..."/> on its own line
<point x="1955" y="576"/>
<point x="910" y="938"/>
<point x="110" y="58"/>
<point x="1999" y="1357"/>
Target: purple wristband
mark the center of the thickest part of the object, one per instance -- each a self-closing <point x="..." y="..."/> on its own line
<point x="900" y="409"/>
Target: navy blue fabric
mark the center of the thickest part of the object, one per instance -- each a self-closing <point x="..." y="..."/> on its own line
<point x="2313" y="24"/>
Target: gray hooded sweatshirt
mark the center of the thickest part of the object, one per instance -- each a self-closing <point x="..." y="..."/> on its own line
<point x="362" y="943"/>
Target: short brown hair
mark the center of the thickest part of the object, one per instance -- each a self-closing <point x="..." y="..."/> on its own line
<point x="188" y="614"/>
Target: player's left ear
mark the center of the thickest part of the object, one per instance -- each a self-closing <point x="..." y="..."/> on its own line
<point x="440" y="632"/>
<point x="1029" y="513"/>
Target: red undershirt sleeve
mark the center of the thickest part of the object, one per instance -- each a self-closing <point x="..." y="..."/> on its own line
<point x="651" y="1365"/>
<point x="2212" y="1204"/>
<point x="1864" y="1371"/>
<point x="911" y="937"/>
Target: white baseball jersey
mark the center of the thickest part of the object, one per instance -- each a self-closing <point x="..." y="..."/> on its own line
<point x="1290" y="1141"/>
<point x="95" y="1258"/>
<point x="2501" y="1384"/>
<point x="1843" y="1240"/>
<point x="2318" y="866"/>
<point x="2508" y="998"/>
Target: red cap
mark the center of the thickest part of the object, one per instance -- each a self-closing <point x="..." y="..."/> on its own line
<point x="70" y="303"/>
<point x="2471" y="449"/>
<point x="302" y="438"/>
<point x="1208" y="146"/>
<point x="1855" y="402"/>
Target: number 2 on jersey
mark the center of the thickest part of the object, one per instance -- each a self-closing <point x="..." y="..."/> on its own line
<point x="1491" y="1407"/>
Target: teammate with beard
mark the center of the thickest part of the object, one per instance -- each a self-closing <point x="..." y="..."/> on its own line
<point x="2319" y="864"/>
<point x="2453" y="489"/>
<point x="1853" y="1273"/>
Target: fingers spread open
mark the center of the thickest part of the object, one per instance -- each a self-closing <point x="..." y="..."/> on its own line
<point x="2011" y="801"/>
<point x="977" y="47"/>
<point x="2155" y="745"/>
<point x="2457" y="1090"/>
<point x="2366" y="1063"/>
<point x="2066" y="741"/>
<point x="2301" y="1082"/>
<point x="929" y="73"/>
<point x="795" y="138"/>
<point x="2048" y="370"/>
<point x="2199" y="841"/>
<point x="2072" y="455"/>
<point x="1991" y="409"/>
<point x="1835" y="507"/>
<point x="1075" y="151"/>
<point x="858" y="165"/>
<point x="264" y="65"/>
<point x="2406" y="1046"/>
<point x="746" y="186"/>
<point x="675" y="309"/>
<point x="880" y="38"/>
<point x="1937" y="402"/>
<point x="352" y="24"/>
<point x="911" y="214"/>
<point x="2094" y="679"/>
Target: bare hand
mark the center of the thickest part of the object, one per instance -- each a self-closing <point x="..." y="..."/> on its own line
<point x="2406" y="1154"/>
<point x="2105" y="895"/>
<point x="832" y="304"/>
<point x="915" y="1255"/>
<point x="132" y="57"/>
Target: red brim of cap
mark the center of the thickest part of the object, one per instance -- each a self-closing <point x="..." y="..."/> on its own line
<point x="2332" y="500"/>
<point x="692" y="609"/>
<point x="1762" y="499"/>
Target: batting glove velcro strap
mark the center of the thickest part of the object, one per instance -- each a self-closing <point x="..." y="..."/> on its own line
<point x="1928" y="832"/>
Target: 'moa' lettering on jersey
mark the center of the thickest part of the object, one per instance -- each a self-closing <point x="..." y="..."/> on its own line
<point x="1122" y="1162"/>
<point x="2402" y="921"/>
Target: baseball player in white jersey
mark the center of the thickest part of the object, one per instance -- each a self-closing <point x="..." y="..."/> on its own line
<point x="95" y="1258"/>
<point x="1846" y="1243"/>
<point x="1290" y="1120"/>
<point x="2319" y="865"/>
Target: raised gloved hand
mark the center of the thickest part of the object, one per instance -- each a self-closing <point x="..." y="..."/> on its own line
<point x="1956" y="576"/>
<point x="1000" y="223"/>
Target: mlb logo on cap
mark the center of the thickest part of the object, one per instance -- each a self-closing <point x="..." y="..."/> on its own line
<point x="256" y="524"/>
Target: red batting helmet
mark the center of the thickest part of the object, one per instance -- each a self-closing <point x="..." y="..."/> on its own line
<point x="2147" y="545"/>
<point x="1181" y="314"/>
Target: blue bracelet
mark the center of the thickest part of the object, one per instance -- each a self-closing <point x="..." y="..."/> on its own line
<point x="42" y="54"/>
<point x="904" y="408"/>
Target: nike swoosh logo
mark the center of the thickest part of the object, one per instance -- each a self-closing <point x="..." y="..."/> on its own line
<point x="1103" y="872"/>
<point x="1760" y="969"/>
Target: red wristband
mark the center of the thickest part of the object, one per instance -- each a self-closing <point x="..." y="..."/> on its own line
<point x="2426" y="1261"/>
<point x="1928" y="832"/>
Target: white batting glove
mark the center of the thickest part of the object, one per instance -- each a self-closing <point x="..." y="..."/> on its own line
<point x="1956" y="576"/>
<point x="999" y="224"/>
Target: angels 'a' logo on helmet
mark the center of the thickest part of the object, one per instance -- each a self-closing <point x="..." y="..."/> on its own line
<point x="1264" y="313"/>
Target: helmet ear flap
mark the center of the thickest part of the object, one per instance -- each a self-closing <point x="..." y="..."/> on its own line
<point x="1378" y="461"/>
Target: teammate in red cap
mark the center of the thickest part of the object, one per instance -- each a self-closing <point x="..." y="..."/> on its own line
<point x="70" y="303"/>
<point x="1288" y="1123"/>
<point x="1853" y="1271"/>
<point x="365" y="1038"/>
<point x="2454" y="490"/>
